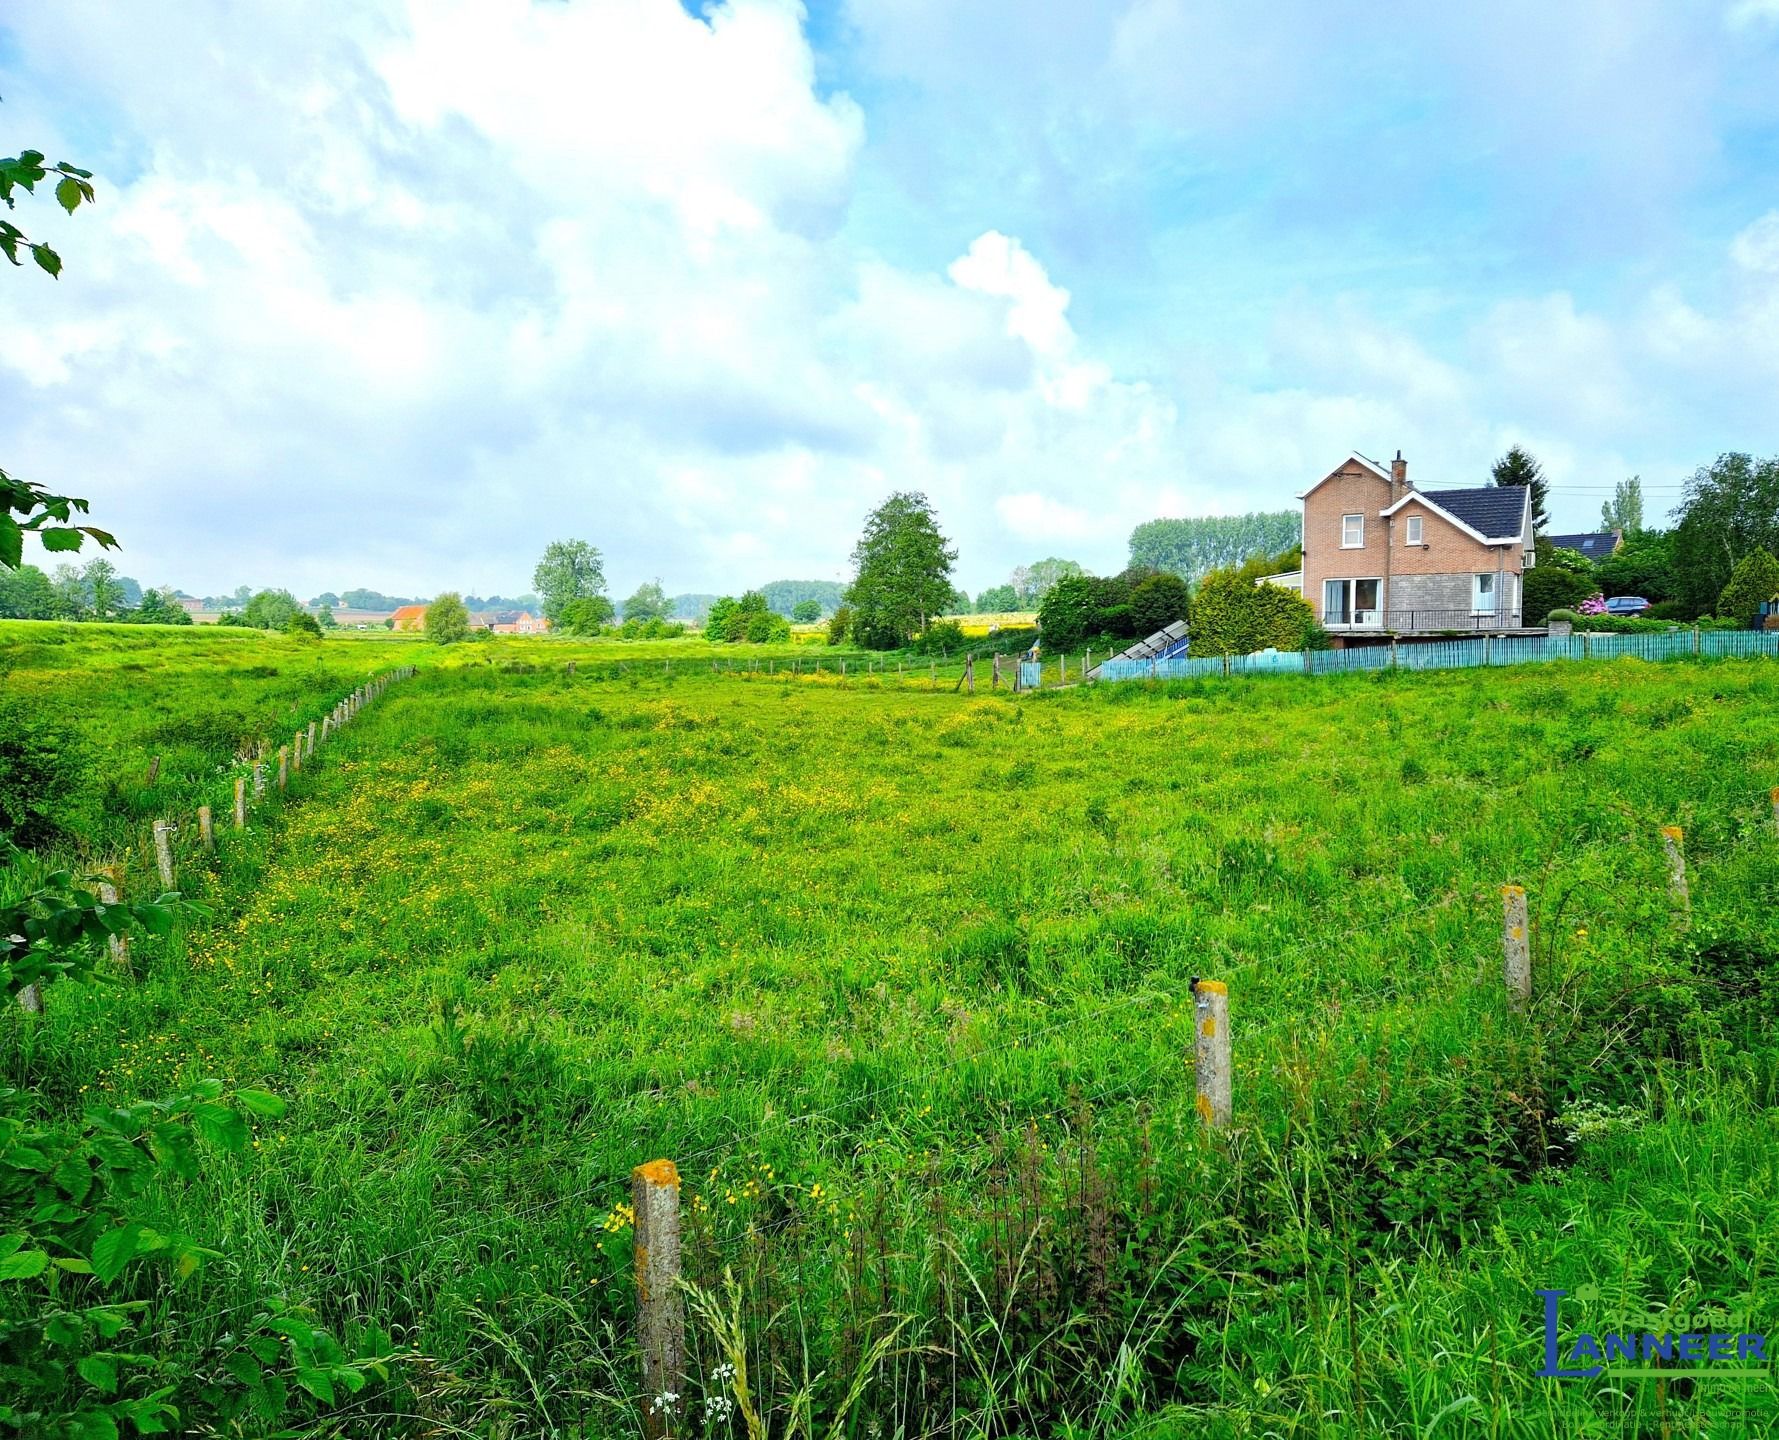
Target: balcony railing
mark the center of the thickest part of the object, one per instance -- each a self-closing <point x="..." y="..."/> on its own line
<point x="1421" y="621"/>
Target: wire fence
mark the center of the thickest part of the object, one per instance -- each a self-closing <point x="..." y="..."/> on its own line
<point x="1462" y="654"/>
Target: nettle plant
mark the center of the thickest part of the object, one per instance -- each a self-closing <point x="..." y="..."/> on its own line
<point x="80" y="1261"/>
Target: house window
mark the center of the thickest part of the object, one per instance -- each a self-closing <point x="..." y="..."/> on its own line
<point x="1351" y="602"/>
<point x="1352" y="532"/>
<point x="1411" y="530"/>
<point x="1482" y="594"/>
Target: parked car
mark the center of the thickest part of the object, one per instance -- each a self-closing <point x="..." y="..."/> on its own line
<point x="1626" y="605"/>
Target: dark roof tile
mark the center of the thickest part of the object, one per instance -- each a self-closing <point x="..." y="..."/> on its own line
<point x="1594" y="546"/>
<point x="1496" y="511"/>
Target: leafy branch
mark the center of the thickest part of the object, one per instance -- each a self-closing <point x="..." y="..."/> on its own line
<point x="25" y="171"/>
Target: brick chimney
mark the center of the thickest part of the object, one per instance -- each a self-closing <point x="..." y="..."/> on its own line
<point x="1398" y="478"/>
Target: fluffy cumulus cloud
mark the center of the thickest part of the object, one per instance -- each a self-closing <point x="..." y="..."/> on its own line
<point x="394" y="293"/>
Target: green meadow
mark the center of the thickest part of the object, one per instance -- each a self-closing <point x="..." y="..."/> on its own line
<point x="899" y="977"/>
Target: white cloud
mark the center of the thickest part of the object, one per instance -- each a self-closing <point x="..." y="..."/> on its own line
<point x="1757" y="247"/>
<point x="394" y="292"/>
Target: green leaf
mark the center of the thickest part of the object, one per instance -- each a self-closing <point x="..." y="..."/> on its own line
<point x="289" y="1325"/>
<point x="318" y="1383"/>
<point x="98" y="1372"/>
<point x="68" y="195"/>
<point x="244" y="1368"/>
<point x="73" y="1266"/>
<point x="24" y="1265"/>
<point x="47" y="260"/>
<point x="113" y="1250"/>
<point x="220" y="1125"/>
<point x="94" y="1425"/>
<point x="262" y="1102"/>
<point x="60" y="538"/>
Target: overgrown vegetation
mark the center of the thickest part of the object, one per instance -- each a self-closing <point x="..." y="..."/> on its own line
<point x="899" y="979"/>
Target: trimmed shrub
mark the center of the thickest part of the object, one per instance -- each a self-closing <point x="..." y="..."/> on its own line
<point x="1232" y="615"/>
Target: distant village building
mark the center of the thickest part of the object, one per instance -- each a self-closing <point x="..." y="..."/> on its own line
<point x="519" y="622"/>
<point x="409" y="617"/>
<point x="1594" y="546"/>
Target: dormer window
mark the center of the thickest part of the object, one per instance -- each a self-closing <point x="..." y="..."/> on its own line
<point x="1411" y="530"/>
<point x="1352" y="532"/>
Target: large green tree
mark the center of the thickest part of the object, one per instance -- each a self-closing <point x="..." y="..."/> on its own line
<point x="26" y="594"/>
<point x="1517" y="467"/>
<point x="1196" y="545"/>
<point x="1753" y="583"/>
<point x="1731" y="510"/>
<point x="649" y="602"/>
<point x="570" y="570"/>
<point x="1031" y="583"/>
<point x="270" y="610"/>
<point x="1624" y="511"/>
<point x="104" y="592"/>
<point x="902" y="572"/>
<point x="447" y="619"/>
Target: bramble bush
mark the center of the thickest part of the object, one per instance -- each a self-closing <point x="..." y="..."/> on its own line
<point x="82" y="1261"/>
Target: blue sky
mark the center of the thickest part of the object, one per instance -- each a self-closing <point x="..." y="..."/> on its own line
<point x="393" y="293"/>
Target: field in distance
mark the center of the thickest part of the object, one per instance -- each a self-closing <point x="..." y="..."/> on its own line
<point x="900" y="978"/>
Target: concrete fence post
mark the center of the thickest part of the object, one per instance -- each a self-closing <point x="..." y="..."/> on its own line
<point x="970" y="674"/>
<point x="296" y="753"/>
<point x="259" y="780"/>
<point x="206" y="830"/>
<point x="163" y="852"/>
<point x="1673" y="843"/>
<point x="1212" y="1060"/>
<point x="283" y="766"/>
<point x="660" y="1309"/>
<point x="1516" y="947"/>
<point x="110" y="888"/>
<point x="311" y="739"/>
<point x="241" y="801"/>
<point x="327" y="725"/>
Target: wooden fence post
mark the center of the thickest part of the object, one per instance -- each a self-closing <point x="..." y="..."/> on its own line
<point x="970" y="674"/>
<point x="1673" y="841"/>
<point x="206" y="830"/>
<point x="154" y="770"/>
<point x="163" y="853"/>
<point x="1774" y="797"/>
<point x="1210" y="1026"/>
<point x="660" y="1310"/>
<point x="241" y="801"/>
<point x="994" y="680"/>
<point x="1516" y="947"/>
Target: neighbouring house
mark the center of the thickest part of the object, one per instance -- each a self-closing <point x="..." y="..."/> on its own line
<point x="521" y="623"/>
<point x="1596" y="546"/>
<point x="1381" y="555"/>
<point x="408" y="617"/>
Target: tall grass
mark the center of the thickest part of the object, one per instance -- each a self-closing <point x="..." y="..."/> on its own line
<point x="899" y="978"/>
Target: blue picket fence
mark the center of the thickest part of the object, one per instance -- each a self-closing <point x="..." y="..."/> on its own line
<point x="1459" y="654"/>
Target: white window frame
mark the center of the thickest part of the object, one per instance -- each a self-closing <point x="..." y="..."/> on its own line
<point x="1346" y="521"/>
<point x="1349" y="593"/>
<point x="1477" y="596"/>
<point x="1411" y="529"/>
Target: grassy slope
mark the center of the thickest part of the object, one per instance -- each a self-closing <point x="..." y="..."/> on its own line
<point x="523" y="932"/>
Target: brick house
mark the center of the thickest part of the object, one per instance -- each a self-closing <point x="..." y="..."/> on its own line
<point x="409" y="617"/>
<point x="1381" y="555"/>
